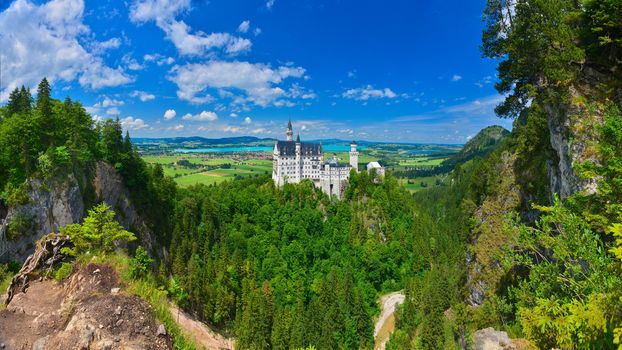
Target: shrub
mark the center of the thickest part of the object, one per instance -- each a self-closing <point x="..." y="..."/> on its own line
<point x="63" y="271"/>
<point x="140" y="264"/>
<point x="18" y="225"/>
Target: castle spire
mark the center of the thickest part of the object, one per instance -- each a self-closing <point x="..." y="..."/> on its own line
<point x="290" y="132"/>
<point x="298" y="138"/>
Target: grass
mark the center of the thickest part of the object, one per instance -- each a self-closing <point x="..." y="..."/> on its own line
<point x="421" y="183"/>
<point x="185" y="177"/>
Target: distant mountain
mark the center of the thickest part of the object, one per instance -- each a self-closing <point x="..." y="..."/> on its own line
<point x="478" y="146"/>
<point x="202" y="140"/>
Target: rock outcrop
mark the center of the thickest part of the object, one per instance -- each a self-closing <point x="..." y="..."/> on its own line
<point x="59" y="201"/>
<point x="489" y="339"/>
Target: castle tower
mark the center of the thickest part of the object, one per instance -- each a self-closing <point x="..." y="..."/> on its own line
<point x="298" y="158"/>
<point x="290" y="132"/>
<point x="354" y="156"/>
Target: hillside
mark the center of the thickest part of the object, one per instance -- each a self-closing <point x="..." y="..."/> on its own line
<point x="479" y="145"/>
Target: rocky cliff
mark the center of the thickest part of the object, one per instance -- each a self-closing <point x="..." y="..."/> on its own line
<point x="59" y="201"/>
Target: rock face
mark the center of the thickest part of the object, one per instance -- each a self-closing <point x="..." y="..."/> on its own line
<point x="52" y="203"/>
<point x="489" y="339"/>
<point x="59" y="201"/>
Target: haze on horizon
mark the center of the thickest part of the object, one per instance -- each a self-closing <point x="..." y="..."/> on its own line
<point x="399" y="71"/>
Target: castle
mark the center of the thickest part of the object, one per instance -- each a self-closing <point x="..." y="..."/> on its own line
<point x="295" y="161"/>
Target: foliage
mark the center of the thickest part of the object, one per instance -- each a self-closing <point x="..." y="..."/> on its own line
<point x="140" y="265"/>
<point x="19" y="225"/>
<point x="99" y="232"/>
<point x="63" y="271"/>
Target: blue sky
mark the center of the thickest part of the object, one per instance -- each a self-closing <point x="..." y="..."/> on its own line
<point x="406" y="71"/>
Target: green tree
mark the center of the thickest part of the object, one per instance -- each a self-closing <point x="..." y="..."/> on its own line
<point x="99" y="232"/>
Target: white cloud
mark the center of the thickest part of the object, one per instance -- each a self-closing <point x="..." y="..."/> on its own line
<point x="233" y="115"/>
<point x="163" y="13"/>
<point x="230" y="128"/>
<point x="158" y="59"/>
<point x="178" y="127"/>
<point x="113" y="111"/>
<point x="108" y="102"/>
<point x="352" y="74"/>
<point x="44" y="40"/>
<point x="258" y="82"/>
<point x="170" y="114"/>
<point x="142" y="95"/>
<point x="456" y="77"/>
<point x="257" y="31"/>
<point x="270" y="4"/>
<point x="346" y="131"/>
<point x="101" y="46"/>
<point x="131" y="123"/>
<point x="369" y="92"/>
<point x="248" y="120"/>
<point x="244" y="27"/>
<point x="203" y="116"/>
<point x="259" y="131"/>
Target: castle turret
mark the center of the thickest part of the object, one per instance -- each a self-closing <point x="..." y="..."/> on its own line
<point x="354" y="156"/>
<point x="299" y="162"/>
<point x="290" y="132"/>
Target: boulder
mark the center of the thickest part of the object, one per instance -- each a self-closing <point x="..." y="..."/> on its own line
<point x="490" y="339"/>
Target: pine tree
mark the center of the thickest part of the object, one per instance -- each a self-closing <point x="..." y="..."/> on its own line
<point x="44" y="113"/>
<point x="25" y="101"/>
<point x="13" y="106"/>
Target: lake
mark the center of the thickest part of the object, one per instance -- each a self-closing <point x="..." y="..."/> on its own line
<point x="325" y="148"/>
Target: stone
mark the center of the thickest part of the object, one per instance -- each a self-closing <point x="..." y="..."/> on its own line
<point x="105" y="344"/>
<point x="96" y="272"/>
<point x="115" y="291"/>
<point x="118" y="311"/>
<point x="490" y="339"/>
<point x="85" y="339"/>
<point x="39" y="344"/>
<point x="161" y="330"/>
<point x="119" y="322"/>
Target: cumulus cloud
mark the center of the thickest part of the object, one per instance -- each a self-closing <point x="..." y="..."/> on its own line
<point x="230" y="128"/>
<point x="456" y="77"/>
<point x="142" y="95"/>
<point x="108" y="102"/>
<point x="368" y="93"/>
<point x="158" y="59"/>
<point x="244" y="27"/>
<point x="346" y="131"/>
<point x="170" y="114"/>
<point x="270" y="4"/>
<point x="248" y="120"/>
<point x="188" y="43"/>
<point x="113" y="111"/>
<point x="203" y="116"/>
<point x="257" y="82"/>
<point x="43" y="40"/>
<point x="131" y="123"/>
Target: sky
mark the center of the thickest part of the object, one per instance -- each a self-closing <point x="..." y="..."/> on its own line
<point x="390" y="70"/>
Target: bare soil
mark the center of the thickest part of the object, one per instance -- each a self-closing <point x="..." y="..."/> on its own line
<point x="80" y="313"/>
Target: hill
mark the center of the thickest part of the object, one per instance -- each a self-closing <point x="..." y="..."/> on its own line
<point x="478" y="146"/>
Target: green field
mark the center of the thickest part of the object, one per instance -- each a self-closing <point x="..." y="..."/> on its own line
<point x="201" y="173"/>
<point x="215" y="168"/>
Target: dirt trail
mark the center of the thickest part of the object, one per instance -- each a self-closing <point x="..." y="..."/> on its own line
<point x="385" y="325"/>
<point x="87" y="310"/>
<point x="201" y="333"/>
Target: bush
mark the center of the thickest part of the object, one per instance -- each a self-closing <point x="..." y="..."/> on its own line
<point x="139" y="266"/>
<point x="18" y="225"/>
<point x="64" y="270"/>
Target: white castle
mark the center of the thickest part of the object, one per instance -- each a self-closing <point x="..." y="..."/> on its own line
<point x="297" y="161"/>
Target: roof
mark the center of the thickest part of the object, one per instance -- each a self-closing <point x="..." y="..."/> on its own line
<point x="374" y="165"/>
<point x="288" y="148"/>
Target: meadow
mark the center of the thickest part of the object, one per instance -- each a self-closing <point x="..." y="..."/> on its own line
<point x="210" y="168"/>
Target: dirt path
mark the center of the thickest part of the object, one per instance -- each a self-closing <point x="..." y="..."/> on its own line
<point x="201" y="333"/>
<point x="385" y="325"/>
